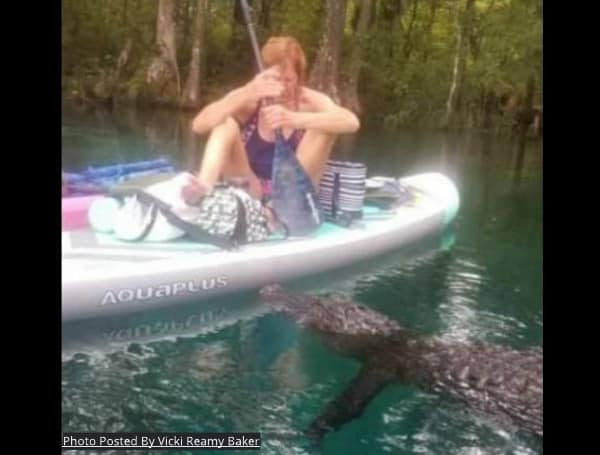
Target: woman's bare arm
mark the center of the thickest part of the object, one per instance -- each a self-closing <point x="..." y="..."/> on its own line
<point x="321" y="113"/>
<point x="241" y="100"/>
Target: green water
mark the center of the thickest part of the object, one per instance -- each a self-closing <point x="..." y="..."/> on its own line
<point x="230" y="365"/>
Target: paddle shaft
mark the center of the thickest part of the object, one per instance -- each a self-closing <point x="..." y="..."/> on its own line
<point x="248" y="18"/>
<point x="256" y="49"/>
<point x="294" y="197"/>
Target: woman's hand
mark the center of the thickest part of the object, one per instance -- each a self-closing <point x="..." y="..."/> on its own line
<point x="266" y="84"/>
<point x="277" y="116"/>
<point x="240" y="100"/>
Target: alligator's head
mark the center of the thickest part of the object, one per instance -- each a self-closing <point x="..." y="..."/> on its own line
<point x="272" y="293"/>
<point x="328" y="315"/>
<point x="296" y="306"/>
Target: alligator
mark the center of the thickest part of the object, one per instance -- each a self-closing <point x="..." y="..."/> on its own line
<point x="504" y="383"/>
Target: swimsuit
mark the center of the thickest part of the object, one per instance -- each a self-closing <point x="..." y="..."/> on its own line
<point x="261" y="152"/>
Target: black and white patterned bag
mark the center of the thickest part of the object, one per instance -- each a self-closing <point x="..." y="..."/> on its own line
<point x="225" y="217"/>
<point x="231" y="213"/>
<point x="342" y="191"/>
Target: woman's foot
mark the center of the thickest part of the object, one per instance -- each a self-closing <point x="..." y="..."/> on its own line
<point x="193" y="190"/>
<point x="273" y="221"/>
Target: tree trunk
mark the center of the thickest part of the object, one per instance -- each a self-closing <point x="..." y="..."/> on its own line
<point x="463" y="23"/>
<point x="124" y="16"/>
<point x="243" y="63"/>
<point x="264" y="19"/>
<point x="478" y="30"/>
<point x="123" y="59"/>
<point x="523" y="119"/>
<point x="487" y="175"/>
<point x="352" y="101"/>
<point x="429" y="28"/>
<point x="388" y="18"/>
<point x="407" y="39"/>
<point x="191" y="92"/>
<point x="183" y="23"/>
<point x="162" y="75"/>
<point x="525" y="115"/>
<point x="489" y="103"/>
<point x="324" y="74"/>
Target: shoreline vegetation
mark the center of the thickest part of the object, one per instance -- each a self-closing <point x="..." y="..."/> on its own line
<point x="432" y="64"/>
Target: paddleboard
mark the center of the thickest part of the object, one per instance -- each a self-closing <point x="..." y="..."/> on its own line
<point x="105" y="277"/>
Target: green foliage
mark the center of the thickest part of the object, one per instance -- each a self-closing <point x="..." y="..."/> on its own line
<point x="407" y="60"/>
<point x="303" y="20"/>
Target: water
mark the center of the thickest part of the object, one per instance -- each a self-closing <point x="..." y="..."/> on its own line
<point x="233" y="366"/>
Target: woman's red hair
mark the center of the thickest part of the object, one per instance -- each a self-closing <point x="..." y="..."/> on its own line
<point x="285" y="49"/>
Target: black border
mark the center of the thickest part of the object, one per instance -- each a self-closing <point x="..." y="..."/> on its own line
<point x="566" y="194"/>
<point x="36" y="93"/>
<point x="32" y="161"/>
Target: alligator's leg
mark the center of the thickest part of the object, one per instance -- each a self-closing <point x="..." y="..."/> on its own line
<point x="369" y="381"/>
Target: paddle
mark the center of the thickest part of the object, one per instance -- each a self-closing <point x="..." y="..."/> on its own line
<point x="294" y="197"/>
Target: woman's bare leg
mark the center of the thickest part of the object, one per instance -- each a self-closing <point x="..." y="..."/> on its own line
<point x="225" y="156"/>
<point x="313" y="152"/>
<point x="239" y="166"/>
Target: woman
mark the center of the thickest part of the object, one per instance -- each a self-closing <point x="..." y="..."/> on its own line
<point x="241" y="126"/>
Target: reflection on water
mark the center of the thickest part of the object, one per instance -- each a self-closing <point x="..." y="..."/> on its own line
<point x="127" y="135"/>
<point x="111" y="334"/>
<point x="458" y="311"/>
<point x="231" y="365"/>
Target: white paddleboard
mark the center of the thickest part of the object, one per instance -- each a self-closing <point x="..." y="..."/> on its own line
<point x="102" y="276"/>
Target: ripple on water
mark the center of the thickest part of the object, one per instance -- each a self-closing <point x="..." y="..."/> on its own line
<point x="430" y="425"/>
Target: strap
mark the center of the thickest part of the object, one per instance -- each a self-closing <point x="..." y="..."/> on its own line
<point x="148" y="227"/>
<point x="338" y="216"/>
<point x="194" y="231"/>
<point x="335" y="197"/>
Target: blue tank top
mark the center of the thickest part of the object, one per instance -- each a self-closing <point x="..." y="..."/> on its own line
<point x="261" y="152"/>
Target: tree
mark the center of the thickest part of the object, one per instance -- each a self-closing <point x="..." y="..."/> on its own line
<point x="162" y="76"/>
<point x="351" y="97"/>
<point x="324" y="74"/>
<point x="462" y="45"/>
<point x="408" y="41"/>
<point x="389" y="17"/>
<point x="411" y="62"/>
<point x="433" y="6"/>
<point x="191" y="92"/>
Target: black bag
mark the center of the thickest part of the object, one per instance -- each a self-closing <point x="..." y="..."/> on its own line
<point x="342" y="191"/>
